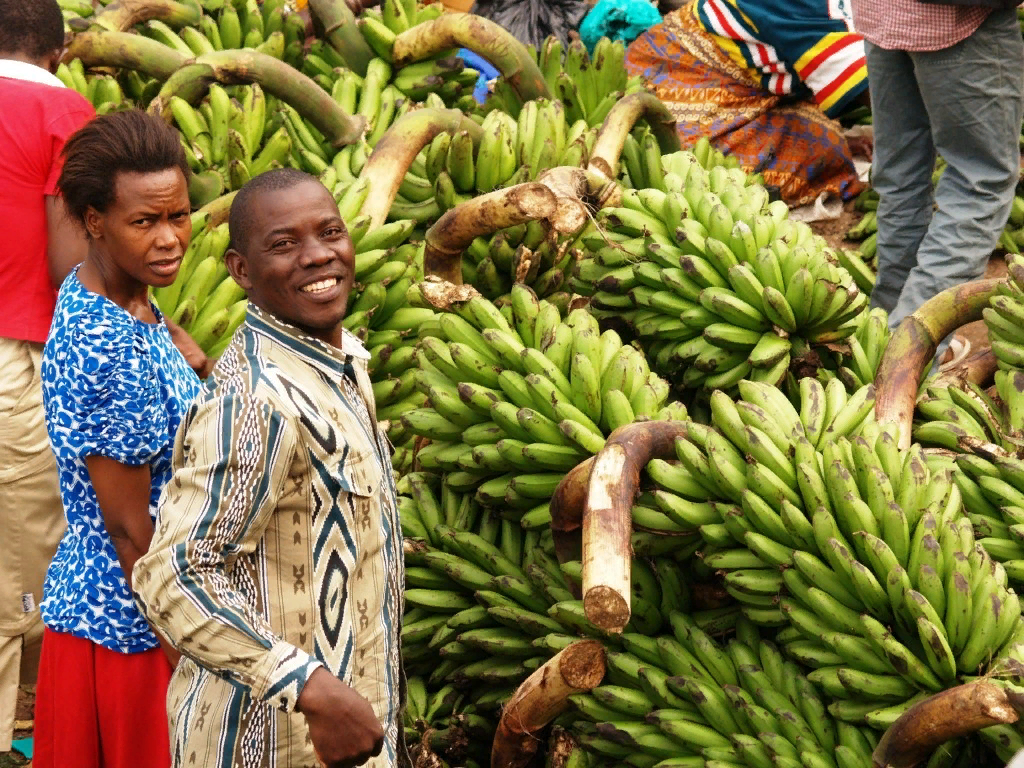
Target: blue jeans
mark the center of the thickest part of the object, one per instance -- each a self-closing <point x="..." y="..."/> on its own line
<point x="966" y="103"/>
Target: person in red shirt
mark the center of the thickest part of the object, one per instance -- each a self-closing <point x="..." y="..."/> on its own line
<point x="41" y="245"/>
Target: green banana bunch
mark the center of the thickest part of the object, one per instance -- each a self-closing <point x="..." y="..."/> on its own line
<point x="104" y="92"/>
<point x="1003" y="317"/>
<point x="587" y="86"/>
<point x="451" y="169"/>
<point x="518" y="396"/>
<point x="682" y="699"/>
<point x="820" y="525"/>
<point x="717" y="282"/>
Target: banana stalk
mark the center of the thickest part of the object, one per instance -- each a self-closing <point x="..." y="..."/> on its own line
<point x="342" y="33"/>
<point x="103" y="48"/>
<point x="978" y="367"/>
<point x="122" y="15"/>
<point x="457" y="228"/>
<point x="913" y="346"/>
<point x="566" y="507"/>
<point x="948" y="715"/>
<point x="541" y="698"/>
<point x="604" y="158"/>
<point x="482" y="36"/>
<point x="244" y="66"/>
<point x="397" y="149"/>
<point x="607" y="516"/>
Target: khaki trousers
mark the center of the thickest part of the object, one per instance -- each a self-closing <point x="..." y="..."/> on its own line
<point x="31" y="521"/>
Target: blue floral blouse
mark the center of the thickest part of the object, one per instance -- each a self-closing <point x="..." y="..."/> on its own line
<point x="113" y="386"/>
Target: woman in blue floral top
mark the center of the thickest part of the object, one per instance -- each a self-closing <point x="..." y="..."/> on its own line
<point x="115" y="387"/>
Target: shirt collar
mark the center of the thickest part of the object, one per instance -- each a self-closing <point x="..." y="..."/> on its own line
<point x="22" y="70"/>
<point x="315" y="351"/>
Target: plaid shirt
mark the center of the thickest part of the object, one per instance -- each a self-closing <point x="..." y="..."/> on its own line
<point x="910" y="25"/>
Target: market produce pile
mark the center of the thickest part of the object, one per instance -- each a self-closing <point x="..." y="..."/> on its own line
<point x="633" y="403"/>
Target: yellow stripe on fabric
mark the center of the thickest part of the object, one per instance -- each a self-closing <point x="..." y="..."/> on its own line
<point x="852" y="81"/>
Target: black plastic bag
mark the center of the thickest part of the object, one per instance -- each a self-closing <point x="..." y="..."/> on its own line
<point x="531" y="21"/>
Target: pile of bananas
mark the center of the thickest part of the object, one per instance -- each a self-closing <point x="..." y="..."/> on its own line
<point x="860" y="582"/>
<point x="518" y="396"/>
<point x="716" y="281"/>
<point x="682" y="699"/>
<point x="492" y="603"/>
<point x="451" y="169"/>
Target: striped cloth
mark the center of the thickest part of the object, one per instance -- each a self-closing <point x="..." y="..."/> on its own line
<point x="795" y="47"/>
<point x="911" y="25"/>
<point x="278" y="550"/>
<point x="706" y="82"/>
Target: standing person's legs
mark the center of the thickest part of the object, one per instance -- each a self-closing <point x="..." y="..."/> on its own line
<point x="974" y="92"/>
<point x="901" y="169"/>
<point x="31" y="519"/>
<point x="131" y="702"/>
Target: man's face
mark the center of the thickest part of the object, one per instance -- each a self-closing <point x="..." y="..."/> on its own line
<point x="298" y="262"/>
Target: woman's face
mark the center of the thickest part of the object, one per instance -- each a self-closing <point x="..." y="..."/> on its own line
<point x="146" y="229"/>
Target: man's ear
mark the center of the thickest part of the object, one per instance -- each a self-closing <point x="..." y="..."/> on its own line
<point x="52" y="61"/>
<point x="238" y="268"/>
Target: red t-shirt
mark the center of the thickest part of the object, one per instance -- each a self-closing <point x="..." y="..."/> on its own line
<point x="35" y="121"/>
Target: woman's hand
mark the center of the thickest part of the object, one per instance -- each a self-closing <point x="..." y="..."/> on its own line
<point x="193" y="354"/>
<point x="344" y="731"/>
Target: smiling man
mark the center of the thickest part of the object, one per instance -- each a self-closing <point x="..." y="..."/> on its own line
<point x="276" y="568"/>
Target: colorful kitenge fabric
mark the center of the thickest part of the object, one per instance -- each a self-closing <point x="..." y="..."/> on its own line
<point x="117" y="387"/>
<point x="278" y="551"/>
<point x="798" y="149"/>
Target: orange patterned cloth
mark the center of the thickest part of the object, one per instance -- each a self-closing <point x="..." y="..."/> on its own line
<point x="798" y="150"/>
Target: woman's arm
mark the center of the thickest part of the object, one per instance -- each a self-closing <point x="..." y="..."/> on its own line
<point x="123" y="495"/>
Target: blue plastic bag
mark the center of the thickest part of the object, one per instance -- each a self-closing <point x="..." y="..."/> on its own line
<point x="487" y="73"/>
<point x="623" y="20"/>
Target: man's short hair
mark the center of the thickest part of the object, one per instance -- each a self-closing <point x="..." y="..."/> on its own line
<point x="33" y="28"/>
<point x="276" y="180"/>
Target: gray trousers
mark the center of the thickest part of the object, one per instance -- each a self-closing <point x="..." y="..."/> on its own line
<point x="965" y="102"/>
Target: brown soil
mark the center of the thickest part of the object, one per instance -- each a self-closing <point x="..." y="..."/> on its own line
<point x="834" y="230"/>
<point x="23" y="727"/>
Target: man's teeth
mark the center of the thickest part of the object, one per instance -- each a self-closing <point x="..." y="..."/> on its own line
<point x="320" y="285"/>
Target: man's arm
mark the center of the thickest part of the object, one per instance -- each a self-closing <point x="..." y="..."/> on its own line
<point x="67" y="244"/>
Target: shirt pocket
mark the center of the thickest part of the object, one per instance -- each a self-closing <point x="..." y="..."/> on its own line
<point x="358" y="469"/>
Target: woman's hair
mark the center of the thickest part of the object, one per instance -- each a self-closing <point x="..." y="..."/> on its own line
<point x="120" y="142"/>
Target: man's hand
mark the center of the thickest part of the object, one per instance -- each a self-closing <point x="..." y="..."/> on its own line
<point x="192" y="352"/>
<point x="342" y="726"/>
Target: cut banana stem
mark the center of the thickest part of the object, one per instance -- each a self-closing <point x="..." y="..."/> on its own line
<point x="946" y="716"/>
<point x="623" y="116"/>
<point x="192" y="81"/>
<point x="103" y="48"/>
<point x="913" y="345"/>
<point x="342" y="33"/>
<point x="483" y="215"/>
<point x="483" y="37"/>
<point x="122" y="15"/>
<point x="397" y="149"/>
<point x="566" y="508"/>
<point x="541" y="698"/>
<point x="607" y="516"/>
